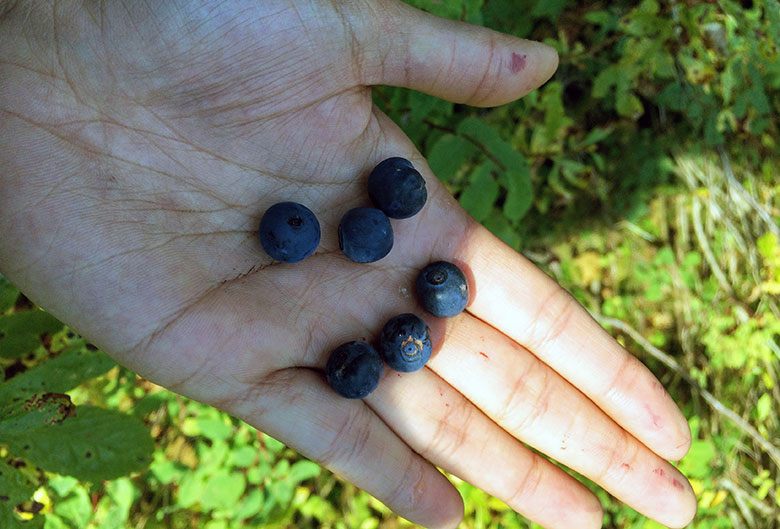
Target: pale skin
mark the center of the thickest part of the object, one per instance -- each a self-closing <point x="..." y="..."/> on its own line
<point x="141" y="143"/>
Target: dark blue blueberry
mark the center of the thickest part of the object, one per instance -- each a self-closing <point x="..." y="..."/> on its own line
<point x="442" y="289"/>
<point x="397" y="188"/>
<point x="405" y="343"/>
<point x="365" y="235"/>
<point x="354" y="369"/>
<point x="289" y="232"/>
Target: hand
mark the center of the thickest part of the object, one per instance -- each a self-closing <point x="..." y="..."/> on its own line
<point x="141" y="144"/>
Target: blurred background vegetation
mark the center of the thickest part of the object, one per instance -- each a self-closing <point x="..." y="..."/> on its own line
<point x="644" y="177"/>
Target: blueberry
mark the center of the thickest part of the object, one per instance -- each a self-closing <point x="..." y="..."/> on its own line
<point x="365" y="235"/>
<point x="353" y="370"/>
<point x="397" y="188"/>
<point x="289" y="232"/>
<point x="405" y="343"/>
<point x="442" y="289"/>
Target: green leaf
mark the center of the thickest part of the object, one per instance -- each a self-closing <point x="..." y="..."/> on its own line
<point x="190" y="489"/>
<point x="33" y="321"/>
<point x="166" y="471"/>
<point x="767" y="245"/>
<point x="243" y="457"/>
<point x="20" y="331"/>
<point x="123" y="492"/>
<point x="62" y="485"/>
<point x="57" y="375"/>
<point x="76" y="508"/>
<point x="629" y="105"/>
<point x="250" y="504"/>
<point x="548" y="8"/>
<point x="500" y="227"/>
<point x="421" y="105"/>
<point x="606" y="79"/>
<point x="39" y="411"/>
<point x="697" y="463"/>
<point x="490" y="139"/>
<point x="223" y="490"/>
<point x="303" y="470"/>
<point x="481" y="193"/>
<point x="214" y="429"/>
<point x="595" y="136"/>
<point x="449" y="9"/>
<point x="520" y="194"/>
<point x="94" y="445"/>
<point x="448" y="155"/>
<point x="764" y="407"/>
<point x="15" y="488"/>
<point x="8" y="294"/>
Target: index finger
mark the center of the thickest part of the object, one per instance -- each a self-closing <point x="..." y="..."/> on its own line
<point x="527" y="305"/>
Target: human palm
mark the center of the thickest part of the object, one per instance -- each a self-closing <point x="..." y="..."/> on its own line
<point x="139" y="150"/>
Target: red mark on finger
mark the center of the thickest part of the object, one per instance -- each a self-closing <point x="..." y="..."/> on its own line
<point x="517" y="64"/>
<point x="677" y="485"/>
<point x="657" y="422"/>
<point x="626" y="466"/>
<point x="659" y="472"/>
<point x="484" y="355"/>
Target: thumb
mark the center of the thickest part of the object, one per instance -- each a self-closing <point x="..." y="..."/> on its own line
<point x="456" y="61"/>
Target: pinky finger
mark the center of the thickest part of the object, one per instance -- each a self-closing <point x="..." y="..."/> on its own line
<point x="345" y="436"/>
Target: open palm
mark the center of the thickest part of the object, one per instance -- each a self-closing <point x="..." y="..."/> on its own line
<point x="140" y="146"/>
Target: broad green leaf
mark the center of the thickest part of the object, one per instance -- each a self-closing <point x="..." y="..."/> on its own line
<point x="166" y="471"/>
<point x="57" y="375"/>
<point x="243" y="456"/>
<point x="282" y="492"/>
<point x="123" y="492"/>
<point x="17" y="345"/>
<point x="42" y="410"/>
<point x="448" y="154"/>
<point x="421" y="105"/>
<point x="500" y="227"/>
<point x="94" y="445"/>
<point x="190" y="489"/>
<point x="490" y="139"/>
<point x="15" y="488"/>
<point x="696" y="463"/>
<point x="215" y="429"/>
<point x="20" y="331"/>
<point x="520" y="193"/>
<point x="606" y="79"/>
<point x="548" y="8"/>
<point x="62" y="485"/>
<point x="223" y="491"/>
<point x="628" y="105"/>
<point x="303" y="470"/>
<point x="76" y="509"/>
<point x="8" y="294"/>
<point x="34" y="321"/>
<point x="55" y="522"/>
<point x="481" y="193"/>
<point x="250" y="504"/>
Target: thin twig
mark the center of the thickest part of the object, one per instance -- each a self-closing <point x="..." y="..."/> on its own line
<point x="705" y="248"/>
<point x="736" y="490"/>
<point x="672" y="364"/>
<point x="734" y="184"/>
